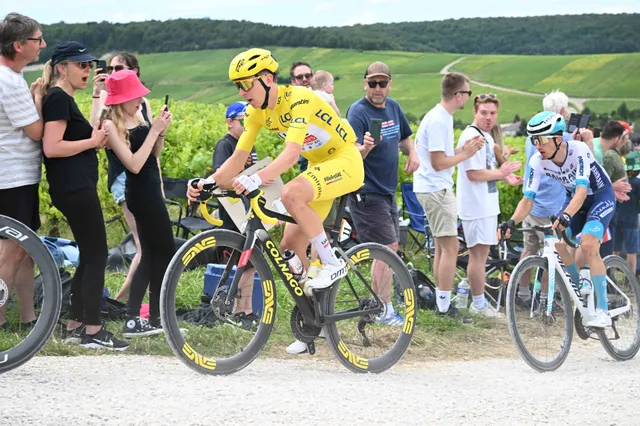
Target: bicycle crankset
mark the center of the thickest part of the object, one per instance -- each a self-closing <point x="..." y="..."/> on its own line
<point x="301" y="331"/>
<point x="583" y="332"/>
<point x="219" y="306"/>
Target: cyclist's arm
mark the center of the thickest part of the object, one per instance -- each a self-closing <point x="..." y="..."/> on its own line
<point x="234" y="165"/>
<point x="576" y="201"/>
<point x="523" y="209"/>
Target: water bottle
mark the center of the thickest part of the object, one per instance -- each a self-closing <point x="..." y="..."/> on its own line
<point x="462" y="294"/>
<point x="295" y="265"/>
<point x="586" y="287"/>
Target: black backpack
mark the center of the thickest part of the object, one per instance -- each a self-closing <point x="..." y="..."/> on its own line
<point x="425" y="289"/>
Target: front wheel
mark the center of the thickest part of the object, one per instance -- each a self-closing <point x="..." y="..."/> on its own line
<point x="371" y="343"/>
<point x="208" y="335"/>
<point x="622" y="339"/>
<point x="542" y="340"/>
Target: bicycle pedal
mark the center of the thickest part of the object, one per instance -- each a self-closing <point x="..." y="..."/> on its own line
<point x="311" y="348"/>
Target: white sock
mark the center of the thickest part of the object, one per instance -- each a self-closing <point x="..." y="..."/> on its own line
<point x="478" y="301"/>
<point x="389" y="309"/>
<point x="325" y="253"/>
<point x="443" y="299"/>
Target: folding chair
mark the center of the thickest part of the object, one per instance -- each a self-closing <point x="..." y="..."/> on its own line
<point x="418" y="223"/>
<point x="190" y="223"/>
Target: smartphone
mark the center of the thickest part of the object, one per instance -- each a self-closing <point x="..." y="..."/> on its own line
<point x="375" y="127"/>
<point x="103" y="116"/>
<point x="102" y="67"/>
<point x="166" y="101"/>
<point x="578" y="121"/>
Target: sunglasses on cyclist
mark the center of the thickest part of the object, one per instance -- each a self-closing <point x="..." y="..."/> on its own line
<point x="84" y="65"/>
<point x="542" y="139"/>
<point x="372" y="84"/>
<point x="246" y="84"/>
<point x="302" y="76"/>
<point x="117" y="68"/>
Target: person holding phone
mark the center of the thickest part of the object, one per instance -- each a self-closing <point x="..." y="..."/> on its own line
<point x="69" y="145"/>
<point x="116" y="176"/>
<point x="373" y="208"/>
<point x="137" y="142"/>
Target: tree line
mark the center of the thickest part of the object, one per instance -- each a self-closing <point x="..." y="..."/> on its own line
<point x="547" y="35"/>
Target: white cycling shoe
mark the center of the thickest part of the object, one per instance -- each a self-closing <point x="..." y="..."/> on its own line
<point x="600" y="319"/>
<point x="327" y="275"/>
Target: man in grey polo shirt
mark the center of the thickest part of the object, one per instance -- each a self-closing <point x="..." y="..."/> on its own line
<point x="433" y="182"/>
<point x="21" y="129"/>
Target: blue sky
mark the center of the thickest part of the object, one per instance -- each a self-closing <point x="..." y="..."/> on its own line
<point x="304" y="13"/>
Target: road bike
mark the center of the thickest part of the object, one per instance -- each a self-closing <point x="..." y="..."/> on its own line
<point x="542" y="327"/>
<point x="211" y="336"/>
<point x="19" y="342"/>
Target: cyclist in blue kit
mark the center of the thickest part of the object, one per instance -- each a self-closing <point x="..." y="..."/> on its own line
<point x="588" y="207"/>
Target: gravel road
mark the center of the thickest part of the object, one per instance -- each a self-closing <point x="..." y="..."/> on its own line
<point x="139" y="390"/>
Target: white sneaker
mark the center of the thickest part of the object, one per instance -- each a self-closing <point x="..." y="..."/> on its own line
<point x="328" y="275"/>
<point x="488" y="310"/>
<point x="600" y="319"/>
<point x="297" y="348"/>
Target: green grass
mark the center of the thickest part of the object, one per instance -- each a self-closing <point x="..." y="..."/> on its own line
<point x="203" y="76"/>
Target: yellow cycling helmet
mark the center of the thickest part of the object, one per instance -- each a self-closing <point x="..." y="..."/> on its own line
<point x="251" y="62"/>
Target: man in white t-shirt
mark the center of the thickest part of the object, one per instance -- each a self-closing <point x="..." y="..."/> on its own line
<point x="433" y="183"/>
<point x="21" y="128"/>
<point x="477" y="196"/>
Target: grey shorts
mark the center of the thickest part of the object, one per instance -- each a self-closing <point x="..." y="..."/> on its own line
<point x="534" y="241"/>
<point x="442" y="213"/>
<point x="375" y="217"/>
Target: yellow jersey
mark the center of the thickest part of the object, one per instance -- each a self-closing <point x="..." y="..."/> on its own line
<point x="300" y="116"/>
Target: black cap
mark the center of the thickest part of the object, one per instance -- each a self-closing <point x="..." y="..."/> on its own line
<point x="71" y="51"/>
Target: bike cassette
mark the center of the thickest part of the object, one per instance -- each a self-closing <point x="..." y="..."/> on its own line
<point x="220" y="308"/>
<point x="301" y="331"/>
<point x="369" y="302"/>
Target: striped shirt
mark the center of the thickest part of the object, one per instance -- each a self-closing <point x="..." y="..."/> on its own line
<point x="20" y="157"/>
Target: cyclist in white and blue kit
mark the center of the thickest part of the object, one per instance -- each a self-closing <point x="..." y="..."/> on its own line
<point x="589" y="203"/>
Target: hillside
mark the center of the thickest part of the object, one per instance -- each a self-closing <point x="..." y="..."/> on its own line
<point x="543" y="35"/>
<point x="202" y="76"/>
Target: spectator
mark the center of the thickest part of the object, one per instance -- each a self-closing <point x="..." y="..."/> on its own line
<point x="70" y="158"/>
<point x="21" y="129"/>
<point x="373" y="208"/>
<point x="116" y="176"/>
<point x="244" y="318"/>
<point x="626" y="237"/>
<point x="477" y="196"/>
<point x="502" y="151"/>
<point x="558" y="102"/>
<point x="301" y="75"/>
<point x="322" y="84"/>
<point x="635" y="141"/>
<point x="138" y="144"/>
<point x="433" y="183"/>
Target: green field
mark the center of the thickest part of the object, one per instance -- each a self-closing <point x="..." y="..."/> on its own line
<point x="202" y="76"/>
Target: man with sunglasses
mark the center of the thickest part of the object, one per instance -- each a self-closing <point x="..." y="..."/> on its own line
<point x="21" y="129"/>
<point x="309" y="126"/>
<point x="589" y="203"/>
<point x="373" y="208"/>
<point x="477" y="196"/>
<point x="301" y="75"/>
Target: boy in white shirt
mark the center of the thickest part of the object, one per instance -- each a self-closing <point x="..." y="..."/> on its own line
<point x="477" y="196"/>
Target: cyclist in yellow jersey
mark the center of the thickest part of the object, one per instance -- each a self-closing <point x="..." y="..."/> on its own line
<point x="311" y="128"/>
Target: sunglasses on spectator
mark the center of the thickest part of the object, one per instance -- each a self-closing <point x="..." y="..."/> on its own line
<point x="372" y="84"/>
<point x="484" y="97"/>
<point x="117" y="68"/>
<point x="303" y="76"/>
<point x="241" y="120"/>
<point x="84" y="65"/>
<point x="468" y="92"/>
<point x="542" y="139"/>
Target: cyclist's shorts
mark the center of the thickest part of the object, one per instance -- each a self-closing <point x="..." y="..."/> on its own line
<point x="341" y="173"/>
<point x="594" y="215"/>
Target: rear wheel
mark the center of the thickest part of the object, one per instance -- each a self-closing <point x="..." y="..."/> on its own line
<point x="208" y="335"/>
<point x="22" y="250"/>
<point x="374" y="342"/>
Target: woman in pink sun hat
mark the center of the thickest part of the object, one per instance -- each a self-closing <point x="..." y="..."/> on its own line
<point x="138" y="143"/>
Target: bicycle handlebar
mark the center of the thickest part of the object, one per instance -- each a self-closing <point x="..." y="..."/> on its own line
<point x="547" y="230"/>
<point x="257" y="202"/>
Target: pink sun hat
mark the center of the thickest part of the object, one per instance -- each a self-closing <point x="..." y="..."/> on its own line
<point x="124" y="86"/>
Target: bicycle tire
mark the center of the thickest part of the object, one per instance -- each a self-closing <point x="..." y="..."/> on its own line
<point x="512" y="289"/>
<point x="17" y="355"/>
<point x="177" y="342"/>
<point x="615" y="353"/>
<point x="379" y="364"/>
